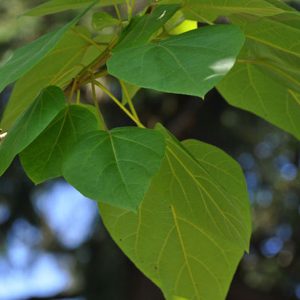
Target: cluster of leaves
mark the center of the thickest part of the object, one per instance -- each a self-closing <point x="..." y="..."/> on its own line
<point x="179" y="210"/>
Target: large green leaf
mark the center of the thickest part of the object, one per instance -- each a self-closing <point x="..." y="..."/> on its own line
<point x="117" y="166"/>
<point x="211" y="9"/>
<point x="59" y="67"/>
<point x="30" y="125"/>
<point x="43" y="158"/>
<point x="55" y="6"/>
<point x="26" y="57"/>
<point x="267" y="72"/>
<point x="191" y="63"/>
<point x="193" y="224"/>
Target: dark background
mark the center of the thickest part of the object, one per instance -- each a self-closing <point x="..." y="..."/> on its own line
<point x="54" y="246"/>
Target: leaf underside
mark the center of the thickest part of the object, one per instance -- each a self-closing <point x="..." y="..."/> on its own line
<point x="267" y="72"/>
<point x="209" y="10"/>
<point x="192" y="226"/>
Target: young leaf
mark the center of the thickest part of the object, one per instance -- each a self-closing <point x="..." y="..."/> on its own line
<point x="191" y="63"/>
<point x="117" y="166"/>
<point x="55" y="6"/>
<point x="193" y="224"/>
<point x="141" y="29"/>
<point x="59" y="67"/>
<point x="102" y="20"/>
<point x="43" y="158"/>
<point x="26" y="57"/>
<point x="30" y="125"/>
<point x="267" y="72"/>
<point x="178" y="24"/>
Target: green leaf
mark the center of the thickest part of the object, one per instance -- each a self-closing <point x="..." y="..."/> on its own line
<point x="267" y="71"/>
<point x="102" y="20"/>
<point x="43" y="158"/>
<point x="193" y="224"/>
<point x="191" y="63"/>
<point x="26" y="57"/>
<point x="211" y="9"/>
<point x="55" y="6"/>
<point x="142" y="29"/>
<point x="281" y="5"/>
<point x="117" y="166"/>
<point x="59" y="67"/>
<point x="30" y="125"/>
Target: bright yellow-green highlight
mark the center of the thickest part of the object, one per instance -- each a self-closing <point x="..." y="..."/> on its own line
<point x="185" y="26"/>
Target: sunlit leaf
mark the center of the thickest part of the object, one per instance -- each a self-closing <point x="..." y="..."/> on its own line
<point x="266" y="79"/>
<point x="211" y="9"/>
<point x="193" y="224"/>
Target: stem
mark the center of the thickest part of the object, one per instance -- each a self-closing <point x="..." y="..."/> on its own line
<point x="92" y="42"/>
<point x="83" y="76"/>
<point x="94" y="96"/>
<point x="95" y="76"/>
<point x="117" y="11"/>
<point x="129" y="100"/>
<point x="96" y="63"/>
<point x="72" y="90"/>
<point x="78" y="96"/>
<point x="128" y="113"/>
<point x="63" y="74"/>
<point x="130" y="4"/>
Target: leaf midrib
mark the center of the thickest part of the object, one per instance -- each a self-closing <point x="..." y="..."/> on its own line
<point x="272" y="45"/>
<point x="180" y="237"/>
<point x="118" y="167"/>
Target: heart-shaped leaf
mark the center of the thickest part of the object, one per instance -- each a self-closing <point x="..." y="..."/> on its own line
<point x="193" y="225"/>
<point x="117" y="166"/>
<point x="191" y="63"/>
<point x="43" y="158"/>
